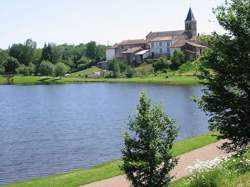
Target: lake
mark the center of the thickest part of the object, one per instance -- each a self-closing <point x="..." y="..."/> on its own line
<point x="49" y="129"/>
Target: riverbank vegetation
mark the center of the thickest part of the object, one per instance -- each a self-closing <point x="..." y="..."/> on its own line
<point x="220" y="172"/>
<point x="59" y="64"/>
<point x="109" y="169"/>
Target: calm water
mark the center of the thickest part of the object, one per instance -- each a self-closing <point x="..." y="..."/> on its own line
<point x="52" y="129"/>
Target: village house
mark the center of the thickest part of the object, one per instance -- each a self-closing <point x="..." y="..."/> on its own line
<point x="157" y="44"/>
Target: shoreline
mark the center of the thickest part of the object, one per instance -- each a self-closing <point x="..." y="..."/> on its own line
<point x="175" y="80"/>
<point x="108" y="169"/>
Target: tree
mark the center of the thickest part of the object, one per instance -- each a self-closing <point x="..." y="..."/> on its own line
<point x="10" y="65"/>
<point x="162" y="64"/>
<point x="23" y="52"/>
<point x="84" y="63"/>
<point x="91" y="50"/>
<point x="60" y="69"/>
<point x="46" y="68"/>
<point x="226" y="69"/>
<point x="147" y="151"/>
<point x="25" y="70"/>
<point x="177" y="59"/>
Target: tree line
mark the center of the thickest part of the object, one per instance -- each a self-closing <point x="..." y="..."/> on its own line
<point x="25" y="58"/>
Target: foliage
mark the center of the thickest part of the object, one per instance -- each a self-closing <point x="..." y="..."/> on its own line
<point x="119" y="68"/>
<point x="25" y="70"/>
<point x="60" y="69"/>
<point x="221" y="174"/>
<point x="177" y="59"/>
<point x="226" y="69"/>
<point x="147" y="151"/>
<point x="24" y="53"/>
<point x="10" y="65"/>
<point x="84" y="63"/>
<point x="162" y="64"/>
<point x="76" y="57"/>
<point x="46" y="68"/>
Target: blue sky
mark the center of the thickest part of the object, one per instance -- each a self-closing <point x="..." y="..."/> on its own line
<point x="80" y="21"/>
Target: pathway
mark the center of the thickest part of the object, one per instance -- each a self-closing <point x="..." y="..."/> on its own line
<point x="206" y="153"/>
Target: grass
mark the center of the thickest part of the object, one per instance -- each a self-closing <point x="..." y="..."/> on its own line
<point x="232" y="173"/>
<point x="160" y="79"/>
<point x="108" y="169"/>
<point x="85" y="72"/>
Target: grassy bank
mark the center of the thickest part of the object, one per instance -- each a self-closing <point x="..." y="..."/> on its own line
<point x="108" y="169"/>
<point x="231" y="173"/>
<point x="38" y="80"/>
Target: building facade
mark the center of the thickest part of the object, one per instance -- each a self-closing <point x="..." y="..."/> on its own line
<point x="160" y="43"/>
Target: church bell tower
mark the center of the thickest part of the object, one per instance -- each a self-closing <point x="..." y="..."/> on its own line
<point x="190" y="25"/>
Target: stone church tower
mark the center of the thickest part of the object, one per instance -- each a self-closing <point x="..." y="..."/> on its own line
<point x="190" y="25"/>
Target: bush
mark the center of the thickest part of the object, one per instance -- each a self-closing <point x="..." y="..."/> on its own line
<point x="60" y="69"/>
<point x="177" y="59"/>
<point x="147" y="151"/>
<point x="46" y="68"/>
<point x="161" y="64"/>
<point x="25" y="70"/>
<point x="130" y="72"/>
<point x="2" y="69"/>
<point x="10" y="65"/>
<point x="84" y="63"/>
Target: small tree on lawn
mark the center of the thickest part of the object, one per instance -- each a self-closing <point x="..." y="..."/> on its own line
<point x="226" y="69"/>
<point x="60" y="69"/>
<point x="147" y="151"/>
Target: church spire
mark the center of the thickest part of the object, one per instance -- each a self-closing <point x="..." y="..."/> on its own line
<point x="190" y="16"/>
<point x="190" y="24"/>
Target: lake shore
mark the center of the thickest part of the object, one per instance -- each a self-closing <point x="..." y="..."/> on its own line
<point x="39" y="80"/>
<point x="109" y="169"/>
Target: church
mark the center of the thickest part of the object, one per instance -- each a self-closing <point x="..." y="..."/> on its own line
<point x="157" y="44"/>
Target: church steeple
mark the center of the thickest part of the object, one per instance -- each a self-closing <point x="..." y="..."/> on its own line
<point x="190" y="24"/>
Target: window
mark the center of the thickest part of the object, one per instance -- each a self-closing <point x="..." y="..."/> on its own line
<point x="160" y="50"/>
<point x="160" y="43"/>
<point x="152" y="45"/>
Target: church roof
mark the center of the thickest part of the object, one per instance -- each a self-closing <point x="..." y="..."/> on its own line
<point x="164" y="34"/>
<point x="190" y="16"/>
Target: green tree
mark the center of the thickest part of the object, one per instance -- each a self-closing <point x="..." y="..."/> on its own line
<point x="226" y="69"/>
<point x="25" y="70"/>
<point x="147" y="151"/>
<point x="10" y="65"/>
<point x="177" y="59"/>
<point x="83" y="63"/>
<point x="46" y="68"/>
<point x="91" y="50"/>
<point x="162" y="64"/>
<point x="60" y="69"/>
<point x="52" y="53"/>
<point x="23" y="52"/>
<point x="114" y="66"/>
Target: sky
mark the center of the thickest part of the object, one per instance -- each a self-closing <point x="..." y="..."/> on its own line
<point x="103" y="21"/>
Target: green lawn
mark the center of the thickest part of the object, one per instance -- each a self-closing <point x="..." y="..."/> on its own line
<point x="160" y="79"/>
<point x="108" y="169"/>
<point x="85" y="72"/>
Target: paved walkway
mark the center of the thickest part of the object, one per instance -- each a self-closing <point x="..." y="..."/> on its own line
<point x="206" y="153"/>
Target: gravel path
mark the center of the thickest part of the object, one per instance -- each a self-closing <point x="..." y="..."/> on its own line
<point x="206" y="153"/>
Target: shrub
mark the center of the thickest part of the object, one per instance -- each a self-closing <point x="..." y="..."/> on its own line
<point x="162" y="64"/>
<point x="177" y="59"/>
<point x="46" y="68"/>
<point x="2" y="69"/>
<point x="25" y="70"/>
<point x="60" y="69"/>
